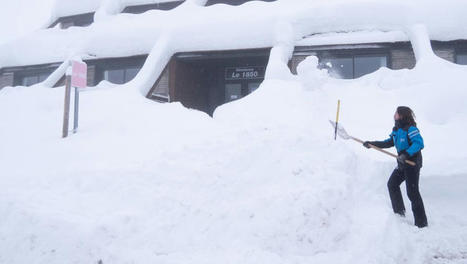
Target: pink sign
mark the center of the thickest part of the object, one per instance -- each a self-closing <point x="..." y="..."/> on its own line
<point x="79" y="74"/>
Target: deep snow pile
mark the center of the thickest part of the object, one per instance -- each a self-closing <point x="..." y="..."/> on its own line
<point x="261" y="182"/>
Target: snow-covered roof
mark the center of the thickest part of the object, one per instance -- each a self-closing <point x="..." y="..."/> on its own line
<point x="191" y="27"/>
<point x="65" y="8"/>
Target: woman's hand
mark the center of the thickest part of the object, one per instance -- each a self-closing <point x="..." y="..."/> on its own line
<point x="402" y="158"/>
<point x="366" y="144"/>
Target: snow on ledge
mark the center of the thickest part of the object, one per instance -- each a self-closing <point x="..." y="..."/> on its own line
<point x="355" y="37"/>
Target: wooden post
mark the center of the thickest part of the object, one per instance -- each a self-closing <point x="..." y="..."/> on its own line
<point x="66" y="113"/>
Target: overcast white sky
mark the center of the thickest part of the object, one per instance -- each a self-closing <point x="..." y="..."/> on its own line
<point x="18" y="17"/>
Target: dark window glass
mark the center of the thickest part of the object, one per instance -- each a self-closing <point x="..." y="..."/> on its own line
<point x="81" y="20"/>
<point x="115" y="76"/>
<point x="341" y="68"/>
<point x="353" y="66"/>
<point x="43" y="76"/>
<point x="65" y="25"/>
<point x="139" y="9"/>
<point x="121" y="76"/>
<point x="86" y="24"/>
<point x="30" y="80"/>
<point x="461" y="59"/>
<point x="34" y="78"/>
<point x="131" y="73"/>
<point x="253" y="86"/>
<point x="233" y="91"/>
<point x="368" y="64"/>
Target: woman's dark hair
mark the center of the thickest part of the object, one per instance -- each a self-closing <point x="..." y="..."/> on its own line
<point x="407" y="117"/>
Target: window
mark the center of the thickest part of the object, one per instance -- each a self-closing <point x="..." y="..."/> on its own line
<point x="121" y="76"/>
<point x="65" y="25"/>
<point x="82" y="20"/>
<point x="28" y="80"/>
<point x="232" y="2"/>
<point x="353" y="66"/>
<point x="461" y="58"/>
<point x="139" y="9"/>
<point x="131" y="73"/>
<point x="160" y="92"/>
<point x="233" y="91"/>
<point x="117" y="70"/>
<point x="341" y="68"/>
<point x="253" y="86"/>
<point x="368" y="64"/>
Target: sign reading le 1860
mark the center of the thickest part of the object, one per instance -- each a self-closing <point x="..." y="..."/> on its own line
<point x="244" y="73"/>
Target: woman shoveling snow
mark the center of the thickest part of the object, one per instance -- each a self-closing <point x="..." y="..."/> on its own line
<point x="406" y="138"/>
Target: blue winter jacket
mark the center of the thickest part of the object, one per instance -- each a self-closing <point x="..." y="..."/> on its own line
<point x="408" y="140"/>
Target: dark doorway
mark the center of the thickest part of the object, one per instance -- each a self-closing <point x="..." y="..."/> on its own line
<point x="204" y="81"/>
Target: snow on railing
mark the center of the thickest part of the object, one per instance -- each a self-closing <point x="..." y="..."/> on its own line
<point x="56" y="75"/>
<point x="282" y="52"/>
<point x="421" y="43"/>
<point x="154" y="65"/>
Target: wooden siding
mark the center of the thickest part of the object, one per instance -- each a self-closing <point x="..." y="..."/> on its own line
<point x="448" y="54"/>
<point x="402" y="58"/>
<point x="6" y="79"/>
<point x="160" y="91"/>
<point x="91" y="75"/>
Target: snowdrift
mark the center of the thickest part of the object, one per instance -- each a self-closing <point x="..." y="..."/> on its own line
<point x="263" y="181"/>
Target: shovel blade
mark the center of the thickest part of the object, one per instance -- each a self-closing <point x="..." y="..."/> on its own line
<point x="340" y="130"/>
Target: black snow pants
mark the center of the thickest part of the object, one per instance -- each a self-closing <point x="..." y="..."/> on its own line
<point x="411" y="175"/>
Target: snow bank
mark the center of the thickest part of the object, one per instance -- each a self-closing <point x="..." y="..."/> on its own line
<point x="262" y="181"/>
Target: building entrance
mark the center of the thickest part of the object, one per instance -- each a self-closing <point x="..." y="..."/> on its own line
<point x="204" y="81"/>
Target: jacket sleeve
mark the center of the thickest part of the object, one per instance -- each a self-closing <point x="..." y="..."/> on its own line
<point x="385" y="143"/>
<point x="417" y="141"/>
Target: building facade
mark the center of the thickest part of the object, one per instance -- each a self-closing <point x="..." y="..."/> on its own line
<point x="205" y="80"/>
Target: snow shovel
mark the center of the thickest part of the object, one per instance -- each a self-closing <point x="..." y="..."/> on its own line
<point x="343" y="134"/>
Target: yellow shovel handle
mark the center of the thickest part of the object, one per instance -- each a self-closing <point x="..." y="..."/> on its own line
<point x="338" y="109"/>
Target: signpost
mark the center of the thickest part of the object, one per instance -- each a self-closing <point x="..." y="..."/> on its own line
<point x="66" y="113"/>
<point x="75" y="77"/>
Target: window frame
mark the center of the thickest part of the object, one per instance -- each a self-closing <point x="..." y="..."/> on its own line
<point x="103" y="65"/>
<point x="140" y="9"/>
<point x="232" y="3"/>
<point x="353" y="53"/>
<point x="38" y="71"/>
<point x="368" y="56"/>
<point x="80" y="20"/>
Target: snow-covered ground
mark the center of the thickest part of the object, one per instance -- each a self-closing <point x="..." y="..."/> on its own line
<point x="263" y="181"/>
